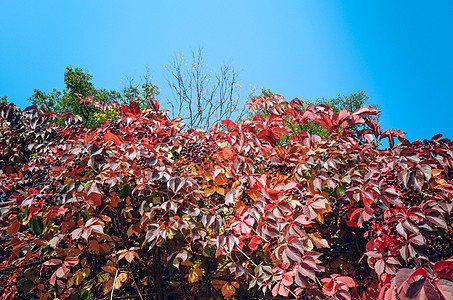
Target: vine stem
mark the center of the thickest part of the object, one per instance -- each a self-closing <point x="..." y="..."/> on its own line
<point x="259" y="235"/>
<point x="114" y="281"/>
<point x="246" y="256"/>
<point x="323" y="288"/>
<point x="136" y="286"/>
<point x="21" y="266"/>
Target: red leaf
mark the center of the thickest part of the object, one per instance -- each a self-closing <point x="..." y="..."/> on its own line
<point x="130" y="256"/>
<point x="229" y="124"/>
<point x="280" y="289"/>
<point x="306" y="270"/>
<point x="268" y="136"/>
<point x="437" y="219"/>
<point x="366" y="110"/>
<point x="445" y="287"/>
<point x="108" y="136"/>
<point x="53" y="262"/>
<point x="401" y="280"/>
<point x="346" y="280"/>
<point x="379" y="266"/>
<point x="422" y="290"/>
<point x="440" y="265"/>
<point x="419" y="272"/>
<point x="134" y="108"/>
<point x="254" y="242"/>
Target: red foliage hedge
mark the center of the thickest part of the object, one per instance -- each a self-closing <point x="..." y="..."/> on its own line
<point x="139" y="207"/>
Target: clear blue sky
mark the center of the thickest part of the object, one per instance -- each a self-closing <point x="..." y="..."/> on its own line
<point x="399" y="52"/>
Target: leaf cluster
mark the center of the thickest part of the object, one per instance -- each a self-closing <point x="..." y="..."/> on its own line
<point x="138" y="207"/>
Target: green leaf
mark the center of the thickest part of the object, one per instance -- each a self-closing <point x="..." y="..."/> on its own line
<point x="171" y="269"/>
<point x="307" y="174"/>
<point x="85" y="214"/>
<point x="340" y="190"/>
<point x="124" y="191"/>
<point x="36" y="226"/>
<point x="209" y="251"/>
<point x="86" y="295"/>
<point x="28" y="285"/>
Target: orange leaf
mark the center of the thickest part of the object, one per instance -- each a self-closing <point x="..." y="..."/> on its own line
<point x="105" y="247"/>
<point x="218" y="284"/>
<point x="209" y="190"/>
<point x="281" y="152"/>
<point x="109" y="267"/>
<point x="94" y="246"/>
<point x="220" y="179"/>
<point x="128" y="255"/>
<point x="228" y="290"/>
<point x="227" y="153"/>
<point x="94" y="198"/>
<point x="40" y="242"/>
<point x="28" y="255"/>
<point x="107" y="287"/>
<point x="13" y="227"/>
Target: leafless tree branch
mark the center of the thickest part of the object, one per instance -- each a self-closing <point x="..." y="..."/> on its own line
<point x="201" y="98"/>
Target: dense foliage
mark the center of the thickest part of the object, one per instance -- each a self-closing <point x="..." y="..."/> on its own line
<point x="77" y="81"/>
<point x="139" y="207"/>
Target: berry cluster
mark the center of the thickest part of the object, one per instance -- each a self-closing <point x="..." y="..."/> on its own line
<point x="199" y="152"/>
<point x="295" y="194"/>
<point x="439" y="245"/>
<point x="388" y="179"/>
<point x="411" y="195"/>
<point x="340" y="207"/>
<point x="362" y="276"/>
<point x="305" y="296"/>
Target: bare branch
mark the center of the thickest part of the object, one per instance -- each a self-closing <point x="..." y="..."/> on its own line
<point x="200" y="98"/>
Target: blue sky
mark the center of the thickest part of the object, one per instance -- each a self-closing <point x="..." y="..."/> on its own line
<point x="399" y="52"/>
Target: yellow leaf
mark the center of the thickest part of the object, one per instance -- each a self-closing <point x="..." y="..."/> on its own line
<point x="436" y="172"/>
<point x="209" y="190"/>
<point x="120" y="279"/>
<point x="220" y="190"/>
<point x="440" y="181"/>
<point x="195" y="275"/>
<point x="78" y="277"/>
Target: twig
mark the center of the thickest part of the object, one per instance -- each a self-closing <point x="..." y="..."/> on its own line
<point x="21" y="266"/>
<point x="7" y="203"/>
